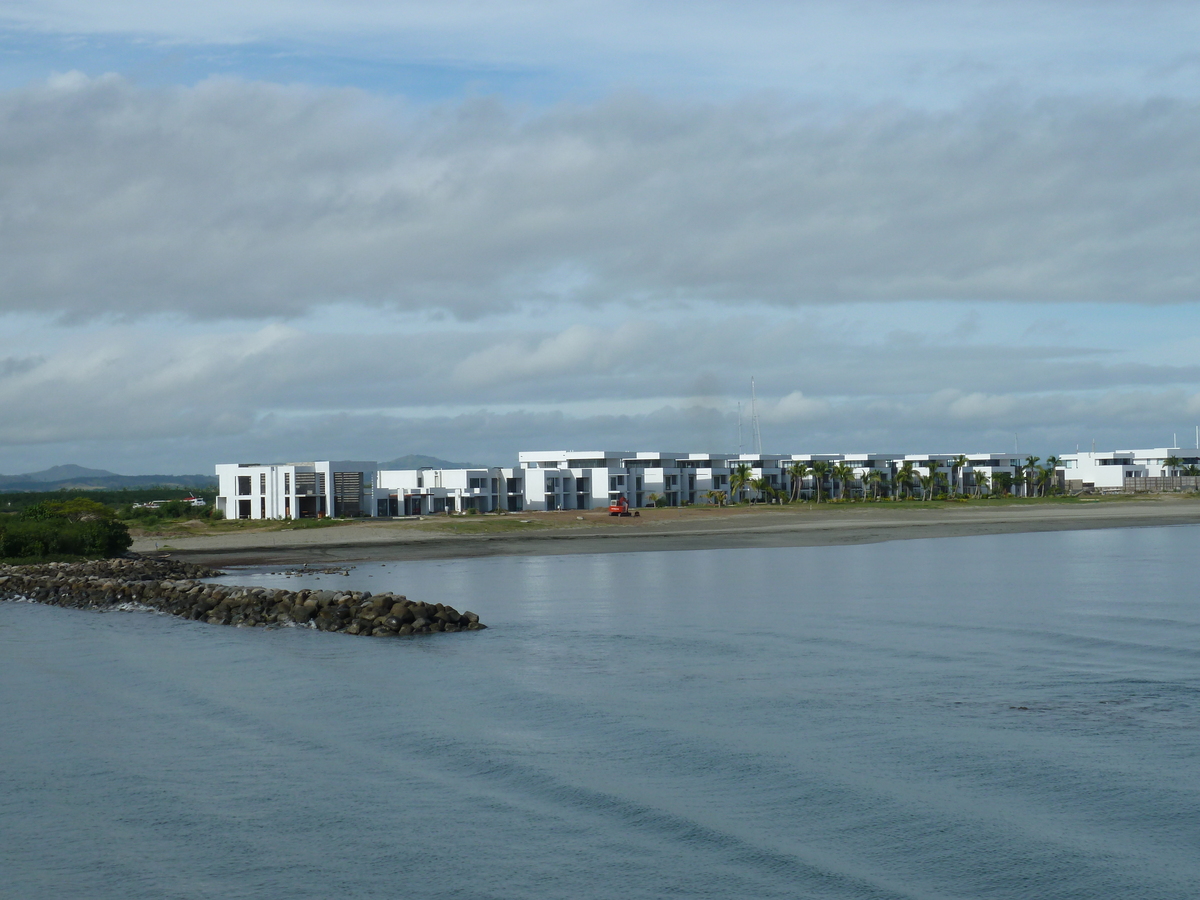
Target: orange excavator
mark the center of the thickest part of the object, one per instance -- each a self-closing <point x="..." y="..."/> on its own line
<point x="619" y="507"/>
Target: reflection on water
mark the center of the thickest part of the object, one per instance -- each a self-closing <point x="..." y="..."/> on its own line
<point x="1007" y="716"/>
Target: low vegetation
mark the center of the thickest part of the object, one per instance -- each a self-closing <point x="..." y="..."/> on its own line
<point x="63" y="530"/>
<point x="16" y="501"/>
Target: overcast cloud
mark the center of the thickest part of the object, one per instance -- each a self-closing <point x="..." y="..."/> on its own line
<point x="362" y="230"/>
<point x="248" y="200"/>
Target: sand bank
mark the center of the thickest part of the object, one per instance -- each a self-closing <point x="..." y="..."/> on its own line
<point x="537" y="534"/>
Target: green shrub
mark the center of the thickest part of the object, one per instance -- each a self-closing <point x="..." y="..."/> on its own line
<point x="78" y="527"/>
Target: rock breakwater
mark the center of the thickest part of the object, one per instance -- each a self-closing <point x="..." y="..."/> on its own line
<point x="176" y="588"/>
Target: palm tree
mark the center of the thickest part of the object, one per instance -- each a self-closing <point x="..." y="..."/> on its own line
<point x="905" y="476"/>
<point x="820" y="470"/>
<point x="933" y="466"/>
<point x="1053" y="462"/>
<point x="1171" y="463"/>
<point x="739" y="479"/>
<point x="654" y="498"/>
<point x="1191" y="470"/>
<point x="761" y="486"/>
<point x="873" y="478"/>
<point x="844" y="475"/>
<point x="981" y="482"/>
<point x="1002" y="483"/>
<point x="1044" y="477"/>
<point x="716" y="498"/>
<point x="797" y="472"/>
<point x="1029" y="468"/>
<point x="959" y="465"/>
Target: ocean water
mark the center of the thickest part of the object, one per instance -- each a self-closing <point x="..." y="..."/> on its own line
<point x="1013" y="716"/>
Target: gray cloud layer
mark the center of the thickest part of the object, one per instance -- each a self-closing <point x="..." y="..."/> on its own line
<point x="234" y="199"/>
<point x="139" y="393"/>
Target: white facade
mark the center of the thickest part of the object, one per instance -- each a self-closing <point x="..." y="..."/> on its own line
<point x="418" y="492"/>
<point x="308" y="490"/>
<point x="594" y="479"/>
<point x="1107" y="470"/>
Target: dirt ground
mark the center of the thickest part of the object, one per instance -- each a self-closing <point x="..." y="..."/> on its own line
<point x="571" y="531"/>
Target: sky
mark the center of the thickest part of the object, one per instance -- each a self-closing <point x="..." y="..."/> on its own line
<point x="264" y="231"/>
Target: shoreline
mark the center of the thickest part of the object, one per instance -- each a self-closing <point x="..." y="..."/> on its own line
<point x="658" y="530"/>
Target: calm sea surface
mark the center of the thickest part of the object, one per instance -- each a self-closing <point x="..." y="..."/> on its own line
<point x="1015" y="716"/>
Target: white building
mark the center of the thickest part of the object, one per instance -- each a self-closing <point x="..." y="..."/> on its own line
<point x="418" y="492"/>
<point x="593" y="479"/>
<point x="308" y="490"/>
<point x="1108" y="470"/>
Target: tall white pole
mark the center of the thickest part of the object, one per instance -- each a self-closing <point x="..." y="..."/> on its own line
<point x="754" y="418"/>
<point x="739" y="428"/>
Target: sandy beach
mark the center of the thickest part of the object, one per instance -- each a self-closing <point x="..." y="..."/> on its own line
<point x="535" y="534"/>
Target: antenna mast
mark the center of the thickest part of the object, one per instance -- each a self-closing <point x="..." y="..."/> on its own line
<point x="754" y="418"/>
<point x="739" y="428"/>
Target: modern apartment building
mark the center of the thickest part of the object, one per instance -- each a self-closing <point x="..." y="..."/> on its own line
<point x="1113" y="469"/>
<point x="305" y="490"/>
<point x="592" y="479"/>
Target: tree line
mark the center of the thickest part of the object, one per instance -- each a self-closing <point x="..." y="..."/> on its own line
<point x="839" y="481"/>
<point x="63" y="529"/>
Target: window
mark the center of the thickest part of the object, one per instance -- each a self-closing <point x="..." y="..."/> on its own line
<point x="262" y="482"/>
<point x="287" y="482"/>
<point x="244" y="489"/>
<point x="347" y="494"/>
<point x="476" y="483"/>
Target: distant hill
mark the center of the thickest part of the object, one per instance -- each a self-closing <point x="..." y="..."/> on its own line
<point x="418" y="461"/>
<point x="58" y="473"/>
<point x="79" y="478"/>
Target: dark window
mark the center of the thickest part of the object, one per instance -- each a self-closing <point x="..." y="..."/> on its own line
<point x="243" y="485"/>
<point x="347" y="494"/>
<point x="262" y="482"/>
<point x="287" y="482"/>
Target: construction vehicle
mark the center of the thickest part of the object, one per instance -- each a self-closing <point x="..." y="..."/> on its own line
<point x="619" y="507"/>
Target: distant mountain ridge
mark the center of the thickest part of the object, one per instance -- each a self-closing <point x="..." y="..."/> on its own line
<point x="58" y="473"/>
<point x="419" y="461"/>
<point x="80" y="478"/>
<point x="71" y="477"/>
